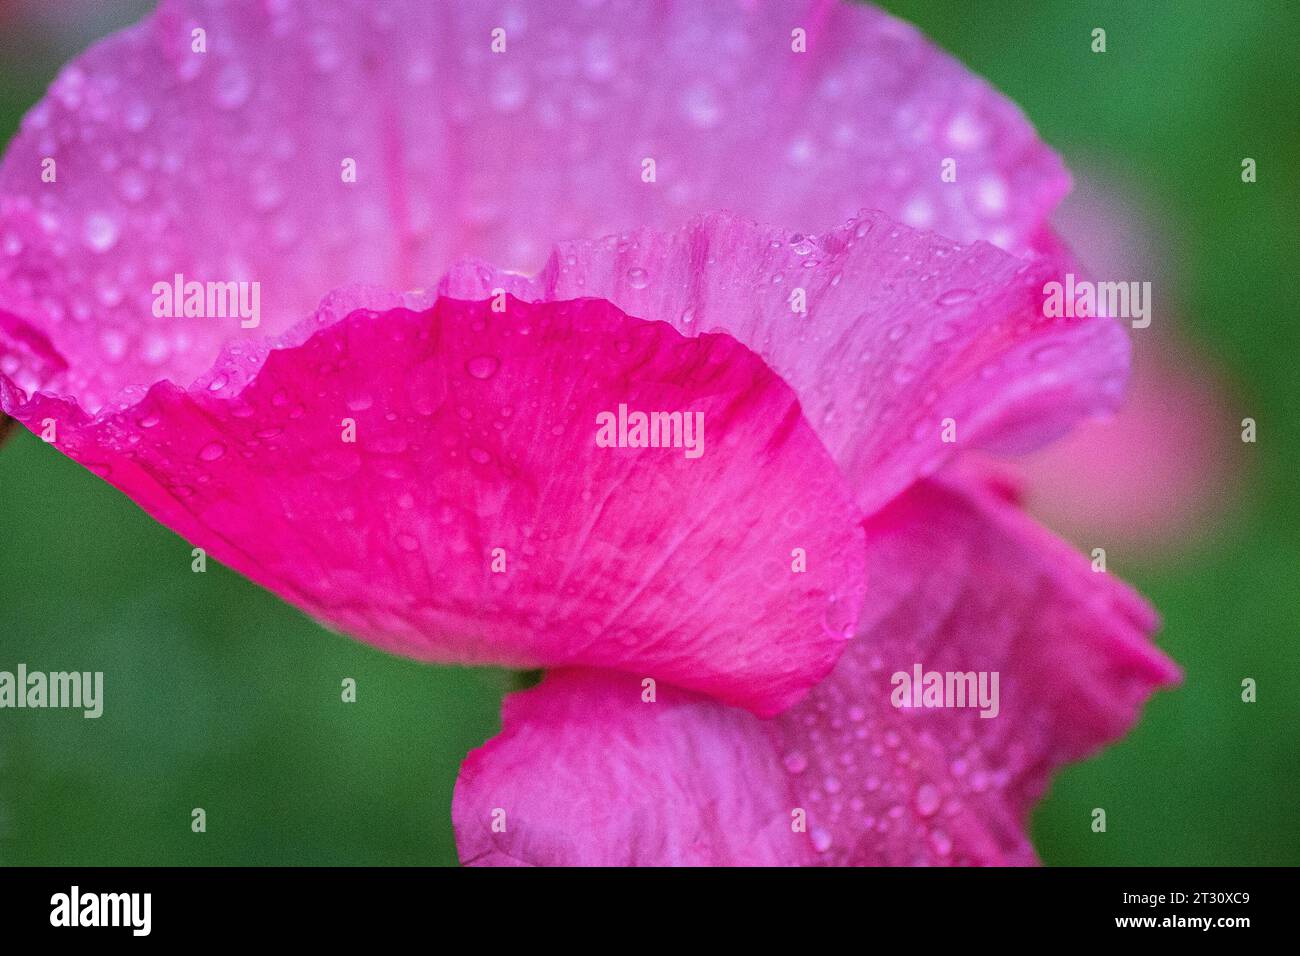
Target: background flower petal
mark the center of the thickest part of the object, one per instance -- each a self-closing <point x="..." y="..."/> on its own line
<point x="961" y="581"/>
<point x="476" y="430"/>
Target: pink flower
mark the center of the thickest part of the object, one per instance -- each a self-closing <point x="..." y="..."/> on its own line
<point x="415" y="460"/>
<point x="1157" y="476"/>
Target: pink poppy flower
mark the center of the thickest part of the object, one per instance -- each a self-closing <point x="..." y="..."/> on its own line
<point x="1159" y="475"/>
<point x="343" y="292"/>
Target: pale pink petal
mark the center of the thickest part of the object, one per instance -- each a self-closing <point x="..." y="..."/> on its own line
<point x="229" y="164"/>
<point x="586" y="774"/>
<point x="911" y="346"/>
<point x="965" y="582"/>
<point x="733" y="118"/>
<point x="1159" y="475"/>
<point x="476" y="430"/>
<point x="962" y="581"/>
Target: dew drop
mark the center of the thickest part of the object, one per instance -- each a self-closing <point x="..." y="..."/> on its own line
<point x="101" y="231"/>
<point x="955" y="297"/>
<point x="928" y="799"/>
<point x="795" y="762"/>
<point x="638" y="278"/>
<point x="359" y="401"/>
<point x="483" y="366"/>
<point x="212" y="451"/>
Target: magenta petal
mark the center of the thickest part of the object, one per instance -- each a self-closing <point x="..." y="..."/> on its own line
<point x="476" y="431"/>
<point x="27" y="359"/>
<point x="586" y="772"/>
<point x="904" y="332"/>
<point x="230" y="164"/>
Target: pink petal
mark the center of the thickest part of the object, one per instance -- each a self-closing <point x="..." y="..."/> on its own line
<point x="1158" y="476"/>
<point x="227" y="164"/>
<point x="903" y="331"/>
<point x="586" y="772"/>
<point x="965" y="582"/>
<point x="734" y="119"/>
<point x="476" y="431"/>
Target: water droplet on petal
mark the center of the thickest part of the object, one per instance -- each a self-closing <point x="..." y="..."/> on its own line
<point x="795" y="762"/>
<point x="359" y="401"/>
<point x="928" y="799"/>
<point x="955" y="297"/>
<point x="101" y="231"/>
<point x="212" y="451"/>
<point x="483" y="366"/>
<point x="821" y="840"/>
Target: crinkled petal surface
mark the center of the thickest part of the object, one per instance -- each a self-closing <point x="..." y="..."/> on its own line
<point x="233" y="163"/>
<point x="587" y="772"/>
<point x="476" y="431"/>
<point x="899" y="333"/>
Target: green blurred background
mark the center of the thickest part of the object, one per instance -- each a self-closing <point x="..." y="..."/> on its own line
<point x="220" y="696"/>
